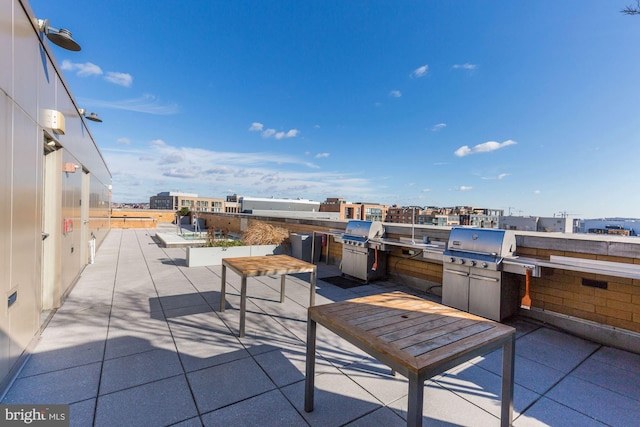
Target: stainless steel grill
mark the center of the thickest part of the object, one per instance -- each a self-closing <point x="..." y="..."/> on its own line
<point x="472" y="277"/>
<point x="483" y="248"/>
<point x="360" y="259"/>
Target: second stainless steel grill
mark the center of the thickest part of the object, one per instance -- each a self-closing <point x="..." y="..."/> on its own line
<point x="472" y="278"/>
<point x="359" y="258"/>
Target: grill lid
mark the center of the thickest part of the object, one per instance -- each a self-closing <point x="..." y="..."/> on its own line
<point x="363" y="230"/>
<point x="481" y="242"/>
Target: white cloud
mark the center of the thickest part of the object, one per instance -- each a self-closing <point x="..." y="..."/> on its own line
<point x="158" y="143"/>
<point x="537" y="191"/>
<point x="463" y="151"/>
<point x="256" y="127"/>
<point x="465" y="66"/>
<point x="426" y="190"/>
<point x="292" y="133"/>
<point x="395" y="94"/>
<point x="420" y="72"/>
<point x="123" y="141"/>
<point x="146" y="103"/>
<point x="172" y="158"/>
<point x="82" y="69"/>
<point x="464" y="188"/>
<point x="322" y="155"/>
<point x="485" y="147"/>
<point x="121" y="79"/>
<point x="438" y="127"/>
<point x="211" y="173"/>
<point x="499" y="177"/>
<point x="218" y="170"/>
<point x="87" y="69"/>
<point x="179" y="173"/>
<point x="268" y="133"/>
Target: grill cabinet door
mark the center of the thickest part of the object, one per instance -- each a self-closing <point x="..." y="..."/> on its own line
<point x="455" y="286"/>
<point x="485" y="294"/>
<point x="354" y="263"/>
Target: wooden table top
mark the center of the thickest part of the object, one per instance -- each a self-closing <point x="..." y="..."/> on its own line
<point x="266" y="265"/>
<point x="413" y="332"/>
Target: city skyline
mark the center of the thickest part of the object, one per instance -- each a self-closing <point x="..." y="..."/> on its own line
<point x="507" y="212"/>
<point x="528" y="107"/>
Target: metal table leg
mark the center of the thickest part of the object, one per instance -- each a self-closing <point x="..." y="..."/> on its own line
<point x="243" y="305"/>
<point x="310" y="365"/>
<point x="223" y="287"/>
<point x="282" y="280"/>
<point x="508" y="352"/>
<point x="414" y="405"/>
<point x="312" y="284"/>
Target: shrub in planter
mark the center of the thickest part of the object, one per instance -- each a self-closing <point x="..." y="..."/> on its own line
<point x="259" y="239"/>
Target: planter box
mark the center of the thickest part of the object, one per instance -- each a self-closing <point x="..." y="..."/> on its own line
<point x="199" y="257"/>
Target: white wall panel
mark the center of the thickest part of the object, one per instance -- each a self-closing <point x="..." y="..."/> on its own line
<point x="5" y="230"/>
<point x="25" y="53"/>
<point x="29" y="84"/>
<point x="6" y="45"/>
<point x="70" y="246"/>
<point x="25" y="249"/>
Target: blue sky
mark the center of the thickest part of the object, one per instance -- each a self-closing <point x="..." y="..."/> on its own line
<point x="530" y="107"/>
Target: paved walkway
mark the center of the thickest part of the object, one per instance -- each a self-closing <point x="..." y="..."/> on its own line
<point x="139" y="341"/>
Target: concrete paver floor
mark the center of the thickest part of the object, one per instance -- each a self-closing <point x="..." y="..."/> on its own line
<point x="140" y="341"/>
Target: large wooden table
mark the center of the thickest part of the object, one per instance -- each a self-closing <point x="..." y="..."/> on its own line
<point x="417" y="338"/>
<point x="264" y="266"/>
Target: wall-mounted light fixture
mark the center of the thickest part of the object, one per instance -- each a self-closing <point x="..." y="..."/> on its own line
<point x="60" y="37"/>
<point x="92" y="116"/>
<point x="54" y="120"/>
<point x="70" y="167"/>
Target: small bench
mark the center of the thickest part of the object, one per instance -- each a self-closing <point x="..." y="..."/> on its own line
<point x="414" y="337"/>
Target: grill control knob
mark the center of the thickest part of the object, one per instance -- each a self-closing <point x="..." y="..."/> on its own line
<point x="462" y="261"/>
<point x="485" y="265"/>
<point x="452" y="259"/>
<point x="473" y="263"/>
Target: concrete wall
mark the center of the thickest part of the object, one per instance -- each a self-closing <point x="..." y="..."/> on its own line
<point x="248" y="204"/>
<point x="37" y="195"/>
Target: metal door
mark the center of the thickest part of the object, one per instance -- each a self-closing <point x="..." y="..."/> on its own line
<point x="455" y="286"/>
<point x="485" y="294"/>
<point x="354" y="263"/>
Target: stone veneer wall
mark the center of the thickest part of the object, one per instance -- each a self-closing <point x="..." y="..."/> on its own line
<point x="562" y="291"/>
<point x="133" y="222"/>
<point x="158" y="214"/>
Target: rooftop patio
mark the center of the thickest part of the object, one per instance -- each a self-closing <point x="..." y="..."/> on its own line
<point x="140" y="341"/>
